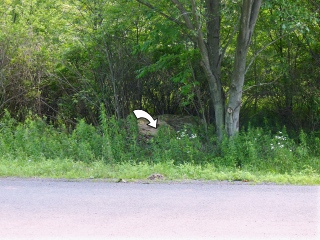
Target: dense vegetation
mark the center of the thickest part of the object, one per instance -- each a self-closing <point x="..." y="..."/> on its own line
<point x="113" y="143"/>
<point x="72" y="72"/>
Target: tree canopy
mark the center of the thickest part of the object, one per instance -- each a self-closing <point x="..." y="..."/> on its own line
<point x="209" y="58"/>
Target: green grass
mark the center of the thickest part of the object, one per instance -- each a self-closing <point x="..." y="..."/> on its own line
<point x="115" y="149"/>
<point x="69" y="169"/>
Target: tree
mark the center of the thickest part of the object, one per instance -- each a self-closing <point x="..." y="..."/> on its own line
<point x="281" y="86"/>
<point x="28" y="52"/>
<point x="208" y="40"/>
<point x="249" y="16"/>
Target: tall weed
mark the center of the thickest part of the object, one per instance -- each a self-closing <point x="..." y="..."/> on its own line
<point x="119" y="141"/>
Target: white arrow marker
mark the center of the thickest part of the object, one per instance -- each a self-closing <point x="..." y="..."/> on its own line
<point x="143" y="114"/>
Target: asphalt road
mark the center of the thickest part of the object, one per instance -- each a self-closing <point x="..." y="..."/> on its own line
<point x="49" y="209"/>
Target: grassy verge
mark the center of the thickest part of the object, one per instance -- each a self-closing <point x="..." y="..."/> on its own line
<point x="69" y="169"/>
<point x="116" y="149"/>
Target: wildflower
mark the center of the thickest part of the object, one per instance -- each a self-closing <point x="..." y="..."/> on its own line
<point x="193" y="136"/>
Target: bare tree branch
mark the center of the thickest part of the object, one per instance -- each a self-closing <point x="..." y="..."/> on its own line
<point x="184" y="13"/>
<point x="175" y="20"/>
<point x="235" y="29"/>
<point x="261" y="84"/>
<point x="9" y="99"/>
<point x="60" y="114"/>
<point x="194" y="13"/>
<point x="262" y="49"/>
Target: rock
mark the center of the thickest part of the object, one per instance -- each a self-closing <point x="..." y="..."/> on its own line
<point x="178" y="122"/>
<point x="120" y="180"/>
<point x="174" y="122"/>
<point x="156" y="176"/>
<point x="148" y="131"/>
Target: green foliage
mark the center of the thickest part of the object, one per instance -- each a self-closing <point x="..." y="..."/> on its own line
<point x="119" y="142"/>
<point x="260" y="150"/>
<point x="63" y="60"/>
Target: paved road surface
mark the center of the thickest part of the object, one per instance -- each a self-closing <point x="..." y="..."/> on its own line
<point x="48" y="209"/>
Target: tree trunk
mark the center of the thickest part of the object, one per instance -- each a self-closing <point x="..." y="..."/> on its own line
<point x="249" y="16"/>
<point x="216" y="96"/>
<point x="113" y="79"/>
<point x="213" y="51"/>
<point x="210" y="57"/>
<point x="210" y="61"/>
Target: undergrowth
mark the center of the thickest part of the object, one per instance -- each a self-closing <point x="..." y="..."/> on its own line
<point x="117" y="142"/>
